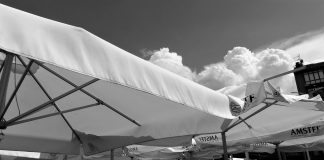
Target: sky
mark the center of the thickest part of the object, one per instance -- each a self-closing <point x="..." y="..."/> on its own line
<point x="216" y="43"/>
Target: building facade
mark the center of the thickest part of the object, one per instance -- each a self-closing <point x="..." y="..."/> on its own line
<point x="310" y="80"/>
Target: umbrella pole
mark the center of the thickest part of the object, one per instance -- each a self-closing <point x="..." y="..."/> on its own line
<point x="112" y="154"/>
<point x="278" y="151"/>
<point x="284" y="156"/>
<point x="225" y="154"/>
<point x="247" y="156"/>
<point x="190" y="155"/>
<point x="308" y="156"/>
<point x="4" y="81"/>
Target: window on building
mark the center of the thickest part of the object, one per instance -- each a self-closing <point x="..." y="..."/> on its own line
<point x="314" y="77"/>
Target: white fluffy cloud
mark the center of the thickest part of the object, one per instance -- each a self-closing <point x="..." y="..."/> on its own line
<point x="217" y="76"/>
<point x="273" y="61"/>
<point x="241" y="65"/>
<point x="171" y="61"/>
<point x="242" y="62"/>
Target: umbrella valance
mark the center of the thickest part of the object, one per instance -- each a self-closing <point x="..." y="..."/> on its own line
<point x="314" y="143"/>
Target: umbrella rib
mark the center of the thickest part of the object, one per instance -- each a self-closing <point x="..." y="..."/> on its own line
<point x="46" y="104"/>
<point x="5" y="52"/>
<point x="89" y="94"/>
<point x="49" y="97"/>
<point x="52" y="114"/>
<point x="17" y="88"/>
<point x="2" y="65"/>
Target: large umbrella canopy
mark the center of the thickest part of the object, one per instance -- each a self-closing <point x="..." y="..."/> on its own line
<point x="277" y="123"/>
<point x="274" y="124"/>
<point x="80" y="89"/>
<point x="279" y="117"/>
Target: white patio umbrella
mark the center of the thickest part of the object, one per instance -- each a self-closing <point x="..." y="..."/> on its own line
<point x="278" y="123"/>
<point x="81" y="90"/>
<point x="274" y="124"/>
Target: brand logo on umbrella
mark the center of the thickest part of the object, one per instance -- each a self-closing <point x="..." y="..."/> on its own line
<point x="208" y="138"/>
<point x="305" y="131"/>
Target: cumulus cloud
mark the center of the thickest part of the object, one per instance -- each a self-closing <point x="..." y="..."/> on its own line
<point x="242" y="62"/>
<point x="170" y="61"/>
<point x="273" y="62"/>
<point x="217" y="76"/>
<point x="242" y="65"/>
